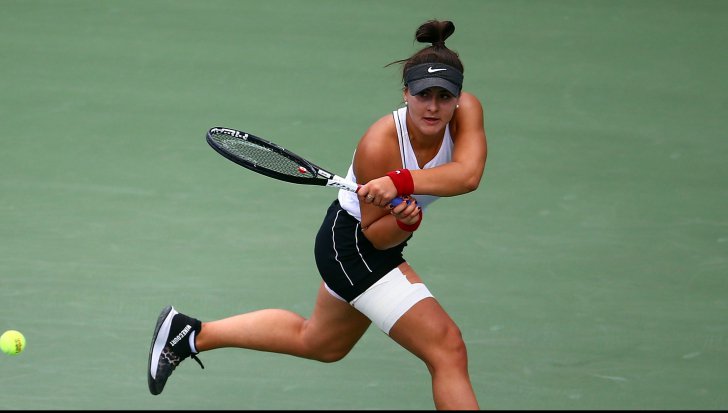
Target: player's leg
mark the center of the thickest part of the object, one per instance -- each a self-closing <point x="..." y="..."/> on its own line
<point x="429" y="333"/>
<point x="327" y="335"/>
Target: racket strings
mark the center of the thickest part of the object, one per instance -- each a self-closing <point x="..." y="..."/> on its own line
<point x="260" y="156"/>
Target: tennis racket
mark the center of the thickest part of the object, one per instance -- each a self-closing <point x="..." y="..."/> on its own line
<point x="269" y="159"/>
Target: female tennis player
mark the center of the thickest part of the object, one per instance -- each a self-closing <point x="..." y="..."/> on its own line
<point x="433" y="146"/>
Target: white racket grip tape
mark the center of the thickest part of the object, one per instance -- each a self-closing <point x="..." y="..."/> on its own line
<point x="338" y="182"/>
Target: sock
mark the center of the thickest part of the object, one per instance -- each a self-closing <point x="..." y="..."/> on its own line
<point x="193" y="349"/>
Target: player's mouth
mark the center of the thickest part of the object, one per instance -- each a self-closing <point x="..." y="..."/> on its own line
<point x="430" y="120"/>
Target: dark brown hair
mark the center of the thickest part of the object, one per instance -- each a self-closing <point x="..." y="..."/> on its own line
<point x="434" y="32"/>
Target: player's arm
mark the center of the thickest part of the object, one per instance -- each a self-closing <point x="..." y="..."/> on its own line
<point x="464" y="172"/>
<point x="377" y="153"/>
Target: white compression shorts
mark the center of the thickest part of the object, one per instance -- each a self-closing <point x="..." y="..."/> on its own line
<point x="388" y="299"/>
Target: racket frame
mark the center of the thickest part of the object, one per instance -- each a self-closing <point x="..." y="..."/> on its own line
<point x="318" y="176"/>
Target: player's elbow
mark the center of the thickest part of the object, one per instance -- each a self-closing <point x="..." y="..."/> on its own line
<point x="472" y="183"/>
<point x="391" y="241"/>
<point x="468" y="176"/>
<point x="384" y="233"/>
<point x="384" y="245"/>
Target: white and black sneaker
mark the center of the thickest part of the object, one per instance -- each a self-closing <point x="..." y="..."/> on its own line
<point x="170" y="345"/>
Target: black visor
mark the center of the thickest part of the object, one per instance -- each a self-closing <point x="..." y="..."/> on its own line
<point x="427" y="75"/>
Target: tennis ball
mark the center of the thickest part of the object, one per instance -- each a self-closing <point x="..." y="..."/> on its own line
<point x="12" y="342"/>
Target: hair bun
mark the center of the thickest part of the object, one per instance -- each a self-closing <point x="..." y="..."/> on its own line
<point x="435" y="32"/>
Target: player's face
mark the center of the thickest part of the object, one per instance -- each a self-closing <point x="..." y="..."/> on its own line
<point x="431" y="110"/>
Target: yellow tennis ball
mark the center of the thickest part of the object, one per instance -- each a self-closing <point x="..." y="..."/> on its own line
<point x="12" y="342"/>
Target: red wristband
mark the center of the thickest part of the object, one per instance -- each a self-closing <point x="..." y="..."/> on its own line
<point x="410" y="227"/>
<point x="403" y="181"/>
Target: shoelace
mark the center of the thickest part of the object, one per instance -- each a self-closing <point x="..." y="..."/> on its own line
<point x="194" y="357"/>
<point x="175" y="360"/>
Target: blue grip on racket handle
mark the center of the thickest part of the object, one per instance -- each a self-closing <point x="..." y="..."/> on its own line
<point x="396" y="201"/>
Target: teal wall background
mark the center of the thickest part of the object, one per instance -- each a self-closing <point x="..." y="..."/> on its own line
<point x="588" y="271"/>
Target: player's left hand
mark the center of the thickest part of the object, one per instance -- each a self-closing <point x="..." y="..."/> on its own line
<point x="408" y="211"/>
<point x="379" y="191"/>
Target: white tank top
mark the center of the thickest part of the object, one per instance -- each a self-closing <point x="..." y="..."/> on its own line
<point x="349" y="200"/>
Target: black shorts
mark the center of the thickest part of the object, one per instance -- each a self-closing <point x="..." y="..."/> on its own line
<point x="346" y="260"/>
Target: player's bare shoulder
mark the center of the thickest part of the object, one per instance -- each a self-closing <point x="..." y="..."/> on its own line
<point x="380" y="138"/>
<point x="468" y="115"/>
<point x="378" y="150"/>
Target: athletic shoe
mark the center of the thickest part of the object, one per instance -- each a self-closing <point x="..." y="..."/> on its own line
<point x="170" y="345"/>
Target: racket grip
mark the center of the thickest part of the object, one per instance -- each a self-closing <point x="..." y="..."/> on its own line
<point x="396" y="201"/>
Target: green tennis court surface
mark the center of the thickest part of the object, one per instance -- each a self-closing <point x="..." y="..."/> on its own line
<point x="589" y="271"/>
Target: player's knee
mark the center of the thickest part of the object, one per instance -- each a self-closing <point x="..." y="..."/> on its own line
<point x="450" y="350"/>
<point x="454" y="343"/>
<point x="324" y="347"/>
<point x="329" y="351"/>
<point x="331" y="355"/>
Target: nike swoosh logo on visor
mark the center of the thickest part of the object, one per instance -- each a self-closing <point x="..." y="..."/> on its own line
<point x="431" y="70"/>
